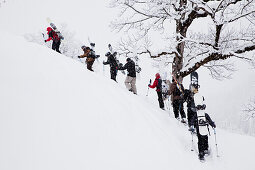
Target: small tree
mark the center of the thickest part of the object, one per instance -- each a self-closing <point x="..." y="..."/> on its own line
<point x="249" y="109"/>
<point x="190" y="50"/>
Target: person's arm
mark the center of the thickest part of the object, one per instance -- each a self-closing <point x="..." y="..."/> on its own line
<point x="209" y="120"/>
<point x="107" y="62"/>
<point x="85" y="54"/>
<point x="171" y="89"/>
<point x="123" y="68"/>
<point x="155" y="83"/>
<point x="50" y="37"/>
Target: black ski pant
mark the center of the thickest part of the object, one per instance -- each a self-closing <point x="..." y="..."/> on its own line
<point x="190" y="115"/>
<point x="178" y="107"/>
<point x="160" y="99"/>
<point x="113" y="72"/>
<point x="202" y="144"/>
<point x="56" y="45"/>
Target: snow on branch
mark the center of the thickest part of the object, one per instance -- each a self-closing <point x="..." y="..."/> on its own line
<point x="230" y="31"/>
<point x="249" y="109"/>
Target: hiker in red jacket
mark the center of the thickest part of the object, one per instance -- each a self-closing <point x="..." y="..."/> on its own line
<point x="55" y="38"/>
<point x="158" y="84"/>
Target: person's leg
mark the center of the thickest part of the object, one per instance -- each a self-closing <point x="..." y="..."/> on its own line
<point x="113" y="74"/>
<point x="54" y="45"/>
<point x="57" y="46"/>
<point x="200" y="146"/>
<point x="89" y="64"/>
<point x="181" y="109"/>
<point x="190" y="115"/>
<point x="127" y="83"/>
<point x="133" y="85"/>
<point x="160" y="100"/>
<point x="206" y="143"/>
<point x="176" y="108"/>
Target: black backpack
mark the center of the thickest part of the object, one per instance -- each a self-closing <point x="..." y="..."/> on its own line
<point x="159" y="86"/>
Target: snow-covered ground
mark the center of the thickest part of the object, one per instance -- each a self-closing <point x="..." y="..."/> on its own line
<point x="55" y="114"/>
<point x="225" y="100"/>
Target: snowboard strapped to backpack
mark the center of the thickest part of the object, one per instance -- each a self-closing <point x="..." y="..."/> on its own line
<point x="54" y="27"/>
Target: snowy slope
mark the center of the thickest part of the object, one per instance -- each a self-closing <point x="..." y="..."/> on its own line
<point x="86" y="18"/>
<point x="54" y="114"/>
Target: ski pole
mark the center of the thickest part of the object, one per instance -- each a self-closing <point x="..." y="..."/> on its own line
<point x="103" y="68"/>
<point x="43" y="36"/>
<point x="192" y="143"/>
<point x="148" y="89"/>
<point x="216" y="142"/>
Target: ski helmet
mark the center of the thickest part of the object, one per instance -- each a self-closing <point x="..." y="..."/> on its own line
<point x="107" y="54"/>
<point x="114" y="54"/>
<point x="49" y="29"/>
<point x="83" y="47"/>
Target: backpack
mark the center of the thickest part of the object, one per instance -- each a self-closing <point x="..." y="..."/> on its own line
<point x="202" y="123"/>
<point x="176" y="92"/>
<point x="159" y="85"/>
<point x="165" y="86"/>
<point x="92" y="54"/>
<point x="54" y="35"/>
<point x="60" y="35"/>
<point x="137" y="68"/>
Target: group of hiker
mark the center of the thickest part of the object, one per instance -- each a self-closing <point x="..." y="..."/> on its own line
<point x="198" y="120"/>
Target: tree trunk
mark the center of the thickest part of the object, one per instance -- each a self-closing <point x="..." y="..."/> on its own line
<point x="181" y="31"/>
<point x="178" y="59"/>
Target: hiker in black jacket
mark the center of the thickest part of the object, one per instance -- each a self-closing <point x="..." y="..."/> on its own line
<point x="130" y="81"/>
<point x="200" y="122"/>
<point x="113" y="65"/>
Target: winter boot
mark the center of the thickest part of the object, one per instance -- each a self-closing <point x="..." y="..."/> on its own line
<point x="201" y="157"/>
<point x="183" y="121"/>
<point x="206" y="152"/>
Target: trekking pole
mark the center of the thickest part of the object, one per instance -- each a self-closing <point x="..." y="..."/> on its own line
<point x="192" y="141"/>
<point x="80" y="60"/>
<point x="103" y="68"/>
<point x="148" y="89"/>
<point x="43" y="37"/>
<point x="216" y="142"/>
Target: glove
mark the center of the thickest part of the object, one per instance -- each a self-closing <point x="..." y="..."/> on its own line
<point x="149" y="85"/>
<point x="45" y="40"/>
<point x="79" y="56"/>
<point x="193" y="109"/>
<point x="181" y="96"/>
<point x="192" y="129"/>
<point x="203" y="106"/>
<point x="104" y="62"/>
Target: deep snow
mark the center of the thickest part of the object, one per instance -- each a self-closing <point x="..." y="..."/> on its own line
<point x="54" y="114"/>
<point x="225" y="99"/>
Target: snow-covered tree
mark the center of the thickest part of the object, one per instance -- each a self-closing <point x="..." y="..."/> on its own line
<point x="249" y="109"/>
<point x="231" y="31"/>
